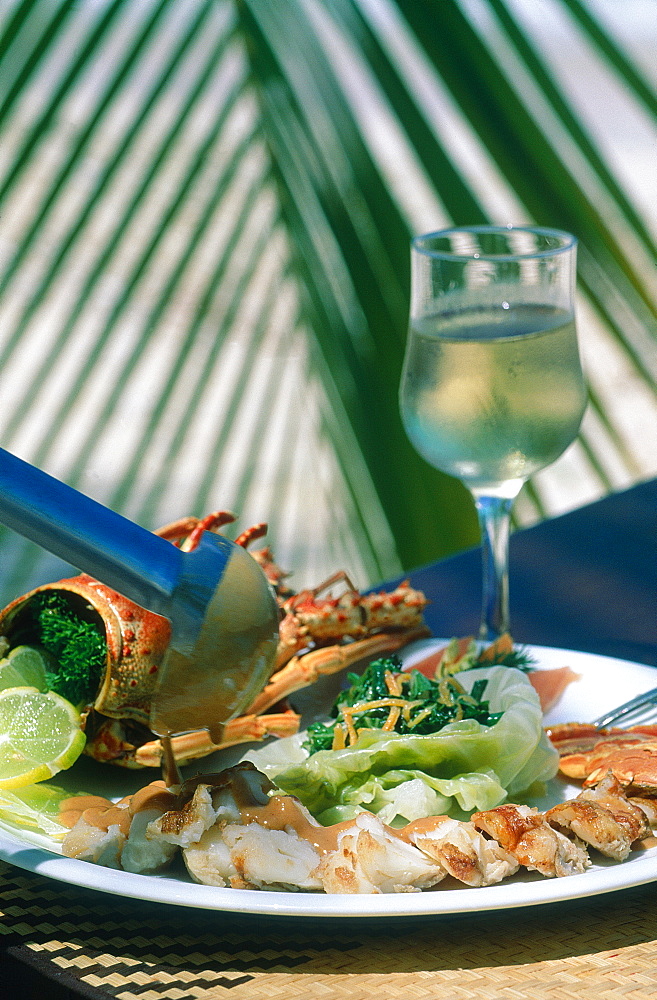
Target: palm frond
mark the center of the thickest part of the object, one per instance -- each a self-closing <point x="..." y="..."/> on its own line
<point x="204" y="256"/>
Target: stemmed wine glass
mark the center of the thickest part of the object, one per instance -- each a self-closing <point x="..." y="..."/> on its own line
<point x="492" y="388"/>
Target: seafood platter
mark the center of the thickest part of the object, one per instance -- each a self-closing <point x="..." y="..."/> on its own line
<point x="380" y="771"/>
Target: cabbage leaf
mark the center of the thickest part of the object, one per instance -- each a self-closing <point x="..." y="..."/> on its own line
<point x="462" y="768"/>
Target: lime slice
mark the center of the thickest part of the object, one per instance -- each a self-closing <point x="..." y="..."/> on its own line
<point x="34" y="808"/>
<point x="40" y="734"/>
<point x="25" y="666"/>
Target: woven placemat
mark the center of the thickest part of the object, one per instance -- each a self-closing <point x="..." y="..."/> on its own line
<point x="102" y="946"/>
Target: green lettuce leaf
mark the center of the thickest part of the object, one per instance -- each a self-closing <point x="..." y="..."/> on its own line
<point x="464" y="767"/>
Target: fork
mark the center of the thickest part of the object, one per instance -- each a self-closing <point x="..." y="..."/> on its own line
<point x="647" y="698"/>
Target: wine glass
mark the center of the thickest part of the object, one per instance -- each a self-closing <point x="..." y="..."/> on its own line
<point x="492" y="388"/>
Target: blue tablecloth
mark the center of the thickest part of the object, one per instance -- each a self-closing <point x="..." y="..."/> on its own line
<point x="586" y="580"/>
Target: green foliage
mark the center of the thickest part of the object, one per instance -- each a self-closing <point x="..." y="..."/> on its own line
<point x="431" y="705"/>
<point x="516" y="657"/>
<point x="77" y="644"/>
<point x="346" y="218"/>
<point x="138" y="135"/>
<point x="455" y="658"/>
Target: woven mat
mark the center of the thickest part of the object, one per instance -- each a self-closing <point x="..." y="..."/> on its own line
<point x="106" y="946"/>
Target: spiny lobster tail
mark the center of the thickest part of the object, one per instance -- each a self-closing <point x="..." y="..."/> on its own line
<point x="136" y="642"/>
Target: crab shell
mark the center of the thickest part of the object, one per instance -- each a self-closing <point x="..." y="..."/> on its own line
<point x="588" y="754"/>
<point x="136" y="642"/>
<point x="634" y="766"/>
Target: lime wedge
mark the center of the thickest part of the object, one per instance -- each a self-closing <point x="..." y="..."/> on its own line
<point x="40" y="734"/>
<point x="25" y="666"/>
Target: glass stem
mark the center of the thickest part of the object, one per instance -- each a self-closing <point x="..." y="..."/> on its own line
<point x="494" y="520"/>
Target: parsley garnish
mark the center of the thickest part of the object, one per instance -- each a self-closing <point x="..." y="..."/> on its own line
<point x="73" y="634"/>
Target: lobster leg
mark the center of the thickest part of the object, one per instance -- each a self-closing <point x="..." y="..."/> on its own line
<point x="303" y="670"/>
<point x="193" y="746"/>
<point x="298" y="673"/>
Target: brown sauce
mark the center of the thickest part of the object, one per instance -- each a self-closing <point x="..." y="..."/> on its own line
<point x="153" y="796"/>
<point x="250" y="790"/>
<point x="103" y="818"/>
<point x="95" y="811"/>
<point x="283" y="812"/>
<point x="72" y="808"/>
<point x="232" y="659"/>
<point x="103" y="813"/>
<point x="424" y="825"/>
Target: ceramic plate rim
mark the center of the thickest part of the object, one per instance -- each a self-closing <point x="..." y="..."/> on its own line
<point x="25" y="852"/>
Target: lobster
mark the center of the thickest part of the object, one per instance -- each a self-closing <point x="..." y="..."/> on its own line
<point x="317" y="636"/>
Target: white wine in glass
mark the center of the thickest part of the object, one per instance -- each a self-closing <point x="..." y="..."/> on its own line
<point x="492" y="388"/>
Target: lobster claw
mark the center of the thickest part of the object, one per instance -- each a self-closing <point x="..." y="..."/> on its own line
<point x="136" y="642"/>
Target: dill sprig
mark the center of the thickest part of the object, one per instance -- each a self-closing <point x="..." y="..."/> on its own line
<point x="520" y="658"/>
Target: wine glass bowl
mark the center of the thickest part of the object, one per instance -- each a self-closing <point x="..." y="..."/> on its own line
<point x="492" y="388"/>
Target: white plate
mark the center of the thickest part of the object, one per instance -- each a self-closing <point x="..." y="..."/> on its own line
<point x="604" y="682"/>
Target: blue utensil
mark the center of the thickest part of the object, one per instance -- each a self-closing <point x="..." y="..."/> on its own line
<point x="223" y="614"/>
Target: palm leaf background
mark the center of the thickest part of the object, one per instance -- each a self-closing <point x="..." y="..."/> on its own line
<point x="206" y="207"/>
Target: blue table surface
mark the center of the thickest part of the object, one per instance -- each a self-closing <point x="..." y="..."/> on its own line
<point x="585" y="580"/>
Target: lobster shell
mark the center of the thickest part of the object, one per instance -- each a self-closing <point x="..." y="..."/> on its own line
<point x="136" y="642"/>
